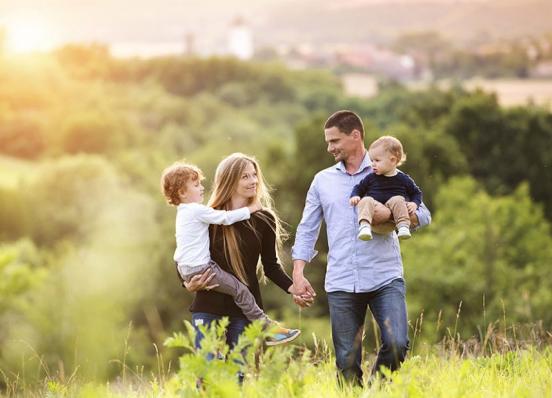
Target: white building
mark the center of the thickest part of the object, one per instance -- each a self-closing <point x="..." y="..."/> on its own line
<point x="240" y="40"/>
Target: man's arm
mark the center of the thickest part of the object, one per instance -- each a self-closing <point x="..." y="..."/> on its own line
<point x="421" y="217"/>
<point x="305" y="239"/>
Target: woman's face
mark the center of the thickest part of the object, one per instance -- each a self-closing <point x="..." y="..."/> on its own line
<point x="247" y="184"/>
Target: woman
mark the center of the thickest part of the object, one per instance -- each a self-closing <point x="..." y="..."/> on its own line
<point x="237" y="248"/>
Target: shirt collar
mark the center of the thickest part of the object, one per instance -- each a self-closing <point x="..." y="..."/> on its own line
<point x="366" y="162"/>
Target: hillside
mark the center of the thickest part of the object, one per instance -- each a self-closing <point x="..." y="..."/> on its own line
<point x="322" y="22"/>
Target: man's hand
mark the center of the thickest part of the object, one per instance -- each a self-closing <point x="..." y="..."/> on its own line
<point x="305" y="300"/>
<point x="302" y="289"/>
<point x="412" y="207"/>
<point x="354" y="200"/>
<point x="201" y="282"/>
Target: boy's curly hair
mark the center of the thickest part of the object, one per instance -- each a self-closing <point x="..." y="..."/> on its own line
<point x="174" y="179"/>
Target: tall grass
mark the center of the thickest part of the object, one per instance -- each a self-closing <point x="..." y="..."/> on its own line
<point x="505" y="361"/>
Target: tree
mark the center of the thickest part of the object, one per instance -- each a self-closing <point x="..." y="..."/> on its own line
<point x="93" y="132"/>
<point x="490" y="253"/>
<point x="22" y="137"/>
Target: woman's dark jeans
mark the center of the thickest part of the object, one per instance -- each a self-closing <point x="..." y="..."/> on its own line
<point x="235" y="328"/>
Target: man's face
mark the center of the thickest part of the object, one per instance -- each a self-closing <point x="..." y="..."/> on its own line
<point x="341" y="145"/>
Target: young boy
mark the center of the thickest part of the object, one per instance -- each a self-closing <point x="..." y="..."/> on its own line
<point x="181" y="185"/>
<point x="387" y="185"/>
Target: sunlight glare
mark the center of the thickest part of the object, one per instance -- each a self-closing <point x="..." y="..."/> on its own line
<point x="28" y="35"/>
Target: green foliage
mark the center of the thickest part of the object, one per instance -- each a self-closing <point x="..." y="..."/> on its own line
<point x="86" y="61"/>
<point x="281" y="371"/>
<point x="97" y="131"/>
<point x="491" y="254"/>
<point x="14" y="214"/>
<point x="504" y="147"/>
<point x="92" y="132"/>
<point x="19" y="272"/>
<point x="63" y="197"/>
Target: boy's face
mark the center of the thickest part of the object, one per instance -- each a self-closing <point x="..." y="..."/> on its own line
<point x="382" y="161"/>
<point x="193" y="192"/>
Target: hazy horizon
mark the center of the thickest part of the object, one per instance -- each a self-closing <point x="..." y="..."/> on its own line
<point x="165" y="23"/>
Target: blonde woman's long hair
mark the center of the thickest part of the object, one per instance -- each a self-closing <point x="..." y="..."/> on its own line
<point x="227" y="177"/>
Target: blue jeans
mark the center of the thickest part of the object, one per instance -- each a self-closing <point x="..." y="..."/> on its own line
<point x="236" y="326"/>
<point x="347" y="315"/>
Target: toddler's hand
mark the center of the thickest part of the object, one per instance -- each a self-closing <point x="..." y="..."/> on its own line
<point x="255" y="206"/>
<point x="354" y="200"/>
<point x="411" y="206"/>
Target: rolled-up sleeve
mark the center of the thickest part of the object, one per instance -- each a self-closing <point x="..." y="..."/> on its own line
<point x="424" y="216"/>
<point x="309" y="227"/>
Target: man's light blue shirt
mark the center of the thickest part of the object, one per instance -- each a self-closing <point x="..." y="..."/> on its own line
<point x="353" y="265"/>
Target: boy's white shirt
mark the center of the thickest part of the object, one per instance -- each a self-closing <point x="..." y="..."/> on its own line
<point x="192" y="231"/>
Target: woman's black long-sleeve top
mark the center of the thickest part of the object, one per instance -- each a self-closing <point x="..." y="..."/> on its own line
<point x="251" y="247"/>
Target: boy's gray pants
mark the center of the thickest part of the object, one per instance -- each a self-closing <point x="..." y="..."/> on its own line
<point x="227" y="284"/>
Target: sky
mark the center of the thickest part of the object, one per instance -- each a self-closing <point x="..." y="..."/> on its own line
<point x="163" y="24"/>
<point x="48" y="23"/>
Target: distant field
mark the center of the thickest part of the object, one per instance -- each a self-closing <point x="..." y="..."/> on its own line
<point x="13" y="170"/>
<point x="511" y="92"/>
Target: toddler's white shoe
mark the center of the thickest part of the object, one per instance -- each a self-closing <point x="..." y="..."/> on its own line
<point x="365" y="232"/>
<point x="404" y="233"/>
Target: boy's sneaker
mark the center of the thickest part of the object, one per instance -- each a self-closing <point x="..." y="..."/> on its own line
<point x="280" y="335"/>
<point x="365" y="232"/>
<point x="404" y="233"/>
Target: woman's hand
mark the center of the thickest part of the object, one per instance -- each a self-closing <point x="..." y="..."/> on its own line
<point x="201" y="282"/>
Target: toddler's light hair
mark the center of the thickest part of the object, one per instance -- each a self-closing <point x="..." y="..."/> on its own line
<point x="174" y="179"/>
<point x="392" y="145"/>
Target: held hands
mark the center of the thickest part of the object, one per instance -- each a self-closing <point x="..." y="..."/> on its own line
<point x="303" y="293"/>
<point x="412" y="207"/>
<point x="302" y="300"/>
<point x="354" y="200"/>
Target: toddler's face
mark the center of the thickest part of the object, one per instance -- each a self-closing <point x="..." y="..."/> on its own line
<point x="194" y="192"/>
<point x="382" y="161"/>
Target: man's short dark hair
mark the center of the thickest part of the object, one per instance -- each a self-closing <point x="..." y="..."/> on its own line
<point x="346" y="122"/>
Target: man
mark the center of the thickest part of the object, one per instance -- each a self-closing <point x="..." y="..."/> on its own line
<point x="359" y="274"/>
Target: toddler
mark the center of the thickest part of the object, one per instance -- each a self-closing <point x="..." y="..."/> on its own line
<point x="386" y="185"/>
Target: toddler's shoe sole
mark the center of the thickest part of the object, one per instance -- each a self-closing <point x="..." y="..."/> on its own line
<point x="365" y="237"/>
<point x="294" y="333"/>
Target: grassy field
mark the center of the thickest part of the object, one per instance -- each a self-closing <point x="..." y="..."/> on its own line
<point x="13" y="170"/>
<point x="450" y="369"/>
<point x="526" y="373"/>
<point x="510" y="92"/>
